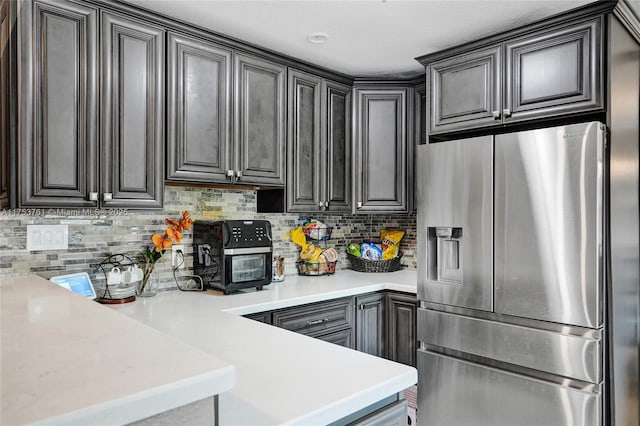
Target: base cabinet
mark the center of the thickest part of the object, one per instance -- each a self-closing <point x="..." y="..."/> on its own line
<point x="381" y="324"/>
<point x="401" y="343"/>
<point x="370" y="324"/>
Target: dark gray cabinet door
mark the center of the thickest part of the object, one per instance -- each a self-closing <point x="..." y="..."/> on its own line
<point x="304" y="155"/>
<point x="466" y="90"/>
<point x="7" y="97"/>
<point x="132" y="115"/>
<point x="336" y="164"/>
<point x="401" y="328"/>
<point x="58" y="107"/>
<point x="198" y="110"/>
<point x="259" y="121"/>
<point x="381" y="150"/>
<point x="553" y="72"/>
<point x="370" y="324"/>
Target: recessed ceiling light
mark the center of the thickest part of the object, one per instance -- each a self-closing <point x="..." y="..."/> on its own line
<point x="317" y="37"/>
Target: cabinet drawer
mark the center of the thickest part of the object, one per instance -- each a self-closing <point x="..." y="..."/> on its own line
<point x="340" y="337"/>
<point x="311" y="319"/>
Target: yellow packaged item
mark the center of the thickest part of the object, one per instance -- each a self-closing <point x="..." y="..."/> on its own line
<point x="307" y="250"/>
<point x="390" y="243"/>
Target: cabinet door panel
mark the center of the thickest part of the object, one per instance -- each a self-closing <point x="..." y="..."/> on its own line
<point x="382" y="151"/>
<point x="4" y="102"/>
<point x="370" y="323"/>
<point x="198" y="110"/>
<point x="303" y="177"/>
<point x="336" y="174"/>
<point x="465" y="90"/>
<point x="401" y="328"/>
<point x="259" y="122"/>
<point x="133" y="112"/>
<point x="554" y="72"/>
<point x="58" y="128"/>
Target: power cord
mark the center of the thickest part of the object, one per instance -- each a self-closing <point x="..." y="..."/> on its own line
<point x="194" y="282"/>
<point x="207" y="251"/>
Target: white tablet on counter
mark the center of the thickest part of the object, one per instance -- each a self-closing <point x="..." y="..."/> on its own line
<point x="79" y="283"/>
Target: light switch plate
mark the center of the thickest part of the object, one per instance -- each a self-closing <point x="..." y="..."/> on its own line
<point x="47" y="237"/>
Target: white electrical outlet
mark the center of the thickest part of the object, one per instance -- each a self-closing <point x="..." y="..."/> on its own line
<point x="47" y="237"/>
<point x="177" y="260"/>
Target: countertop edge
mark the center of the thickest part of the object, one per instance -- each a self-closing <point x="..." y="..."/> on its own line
<point x="145" y="404"/>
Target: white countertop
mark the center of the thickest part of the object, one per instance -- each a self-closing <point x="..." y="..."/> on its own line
<point x="282" y="377"/>
<point x="68" y="360"/>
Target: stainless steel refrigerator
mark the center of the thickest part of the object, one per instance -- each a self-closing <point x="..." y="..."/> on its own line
<point x="515" y="280"/>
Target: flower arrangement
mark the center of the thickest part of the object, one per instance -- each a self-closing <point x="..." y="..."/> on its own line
<point x="162" y="242"/>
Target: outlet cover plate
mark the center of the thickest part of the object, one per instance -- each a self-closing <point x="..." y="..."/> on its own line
<point x="177" y="261"/>
<point x="47" y="237"/>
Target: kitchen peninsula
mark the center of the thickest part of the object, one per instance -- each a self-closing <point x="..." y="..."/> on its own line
<point x="280" y="377"/>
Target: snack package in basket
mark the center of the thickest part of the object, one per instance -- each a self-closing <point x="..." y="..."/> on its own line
<point x="370" y="251"/>
<point x="354" y="249"/>
<point x="315" y="229"/>
<point x="308" y="251"/>
<point x="390" y="243"/>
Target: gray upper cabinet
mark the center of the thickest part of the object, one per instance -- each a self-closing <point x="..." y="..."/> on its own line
<point x="370" y="324"/>
<point x="58" y="104"/>
<point x="198" y="110"/>
<point x="319" y="151"/>
<point x="303" y="160"/>
<point x="550" y="72"/>
<point x="132" y="116"/>
<point x="466" y="90"/>
<point x="259" y="121"/>
<point x="554" y="72"/>
<point x="382" y="150"/>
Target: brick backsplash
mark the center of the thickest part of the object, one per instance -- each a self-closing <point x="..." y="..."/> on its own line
<point x="96" y="234"/>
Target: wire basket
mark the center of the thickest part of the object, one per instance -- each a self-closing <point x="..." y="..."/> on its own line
<point x="321" y="233"/>
<point x="366" y="265"/>
<point x="315" y="268"/>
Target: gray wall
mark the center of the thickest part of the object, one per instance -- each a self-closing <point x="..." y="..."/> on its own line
<point x="93" y="236"/>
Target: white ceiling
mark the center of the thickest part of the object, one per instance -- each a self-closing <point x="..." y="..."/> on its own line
<point x="366" y="37"/>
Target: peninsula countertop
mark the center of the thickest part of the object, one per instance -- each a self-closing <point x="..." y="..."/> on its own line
<point x="69" y="360"/>
<point x="282" y="377"/>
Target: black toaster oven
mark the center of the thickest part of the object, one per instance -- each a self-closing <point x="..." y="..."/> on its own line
<point x="233" y="254"/>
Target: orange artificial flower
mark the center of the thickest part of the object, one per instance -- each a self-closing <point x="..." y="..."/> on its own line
<point x="186" y="221"/>
<point x="161" y="242"/>
<point x="173" y="224"/>
<point x="174" y="234"/>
